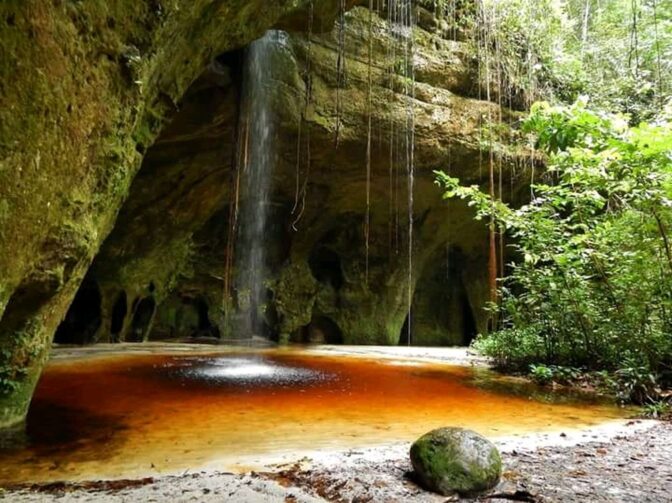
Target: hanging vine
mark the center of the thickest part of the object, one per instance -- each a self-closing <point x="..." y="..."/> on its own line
<point x="300" y="195"/>
<point x="369" y="107"/>
<point x="239" y="165"/>
<point x="633" y="54"/>
<point x="340" y="68"/>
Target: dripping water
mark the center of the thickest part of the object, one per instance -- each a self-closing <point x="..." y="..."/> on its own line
<point x="258" y="163"/>
<point x="410" y="149"/>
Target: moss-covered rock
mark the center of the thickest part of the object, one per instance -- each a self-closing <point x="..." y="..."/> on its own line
<point x="456" y="460"/>
<point x="173" y="231"/>
<point x="86" y="88"/>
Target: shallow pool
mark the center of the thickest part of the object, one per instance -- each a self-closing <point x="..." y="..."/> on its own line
<point x="126" y="416"/>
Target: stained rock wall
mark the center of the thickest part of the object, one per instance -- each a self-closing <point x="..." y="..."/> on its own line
<point x="172" y="237"/>
<point x="119" y="140"/>
<point x="85" y="89"/>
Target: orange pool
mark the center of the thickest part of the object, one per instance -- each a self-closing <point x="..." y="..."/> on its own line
<point x="125" y="416"/>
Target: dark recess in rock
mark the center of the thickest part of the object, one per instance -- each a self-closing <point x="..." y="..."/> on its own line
<point x="119" y="312"/>
<point x="83" y="318"/>
<point x="142" y="319"/>
<point x="322" y="330"/>
<point x="325" y="265"/>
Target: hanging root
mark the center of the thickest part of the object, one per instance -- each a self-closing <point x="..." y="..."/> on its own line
<point x="234" y="205"/>
<point x="300" y="196"/>
<point x="340" y="68"/>
<point x="369" y="104"/>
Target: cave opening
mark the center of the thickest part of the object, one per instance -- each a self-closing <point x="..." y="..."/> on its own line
<point x="205" y="326"/>
<point x="119" y="311"/>
<point x="325" y="265"/>
<point x="404" y="335"/>
<point x="469" y="329"/>
<point x="83" y="319"/>
<point x="203" y="318"/>
<point x="459" y="321"/>
<point x="322" y="330"/>
<point x="142" y="319"/>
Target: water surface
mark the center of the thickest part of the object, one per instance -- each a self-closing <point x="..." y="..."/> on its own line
<point x="126" y="416"/>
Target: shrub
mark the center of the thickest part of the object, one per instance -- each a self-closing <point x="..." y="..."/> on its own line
<point x="593" y="286"/>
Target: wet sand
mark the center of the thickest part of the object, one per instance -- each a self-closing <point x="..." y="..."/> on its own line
<point x="628" y="462"/>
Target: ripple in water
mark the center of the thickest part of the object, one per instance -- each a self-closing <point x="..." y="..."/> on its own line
<point x="246" y="372"/>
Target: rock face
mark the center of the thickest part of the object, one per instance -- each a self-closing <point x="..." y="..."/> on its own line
<point x="86" y="88"/>
<point x="172" y="238"/>
<point x="120" y="138"/>
<point x="455" y="460"/>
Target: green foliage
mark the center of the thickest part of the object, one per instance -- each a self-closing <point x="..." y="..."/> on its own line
<point x="593" y="284"/>
<point x="635" y="382"/>
<point x="625" y="48"/>
<point x="546" y="374"/>
<point x="541" y="374"/>
<point x="657" y="410"/>
<point x="618" y="52"/>
<point x="522" y="50"/>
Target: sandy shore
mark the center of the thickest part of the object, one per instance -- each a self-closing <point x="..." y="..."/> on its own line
<point x="617" y="462"/>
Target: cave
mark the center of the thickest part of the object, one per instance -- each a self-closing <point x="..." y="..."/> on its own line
<point x="404" y="335"/>
<point x="205" y="326"/>
<point x="442" y="312"/>
<point x="119" y="311"/>
<point x="469" y="329"/>
<point x="143" y="315"/>
<point x="203" y="319"/>
<point x="325" y="265"/>
<point x="275" y="170"/>
<point x="83" y="318"/>
<point x="182" y="317"/>
<point x="321" y="330"/>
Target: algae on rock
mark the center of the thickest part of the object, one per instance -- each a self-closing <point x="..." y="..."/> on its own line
<point x="87" y="86"/>
<point x="455" y="460"/>
<point x="93" y="87"/>
<point x="318" y="259"/>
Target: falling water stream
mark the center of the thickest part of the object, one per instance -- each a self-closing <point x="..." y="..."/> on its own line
<point x="410" y="149"/>
<point x="258" y="163"/>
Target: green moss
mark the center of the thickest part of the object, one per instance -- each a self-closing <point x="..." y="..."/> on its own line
<point x="294" y="294"/>
<point x="89" y="86"/>
<point x="14" y="403"/>
<point x="448" y="461"/>
<point x="20" y="364"/>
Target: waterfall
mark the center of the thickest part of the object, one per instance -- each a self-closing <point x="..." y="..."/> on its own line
<point x="257" y="162"/>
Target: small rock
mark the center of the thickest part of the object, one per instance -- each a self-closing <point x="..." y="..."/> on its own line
<point x="456" y="460"/>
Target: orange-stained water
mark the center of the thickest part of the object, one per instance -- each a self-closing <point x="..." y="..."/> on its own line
<point x="136" y="415"/>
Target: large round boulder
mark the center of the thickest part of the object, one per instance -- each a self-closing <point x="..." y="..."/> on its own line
<point x="456" y="460"/>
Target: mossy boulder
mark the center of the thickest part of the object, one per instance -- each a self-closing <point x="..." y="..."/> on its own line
<point x="456" y="460"/>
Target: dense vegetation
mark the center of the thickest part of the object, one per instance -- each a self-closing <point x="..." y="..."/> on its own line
<point x="590" y="284"/>
<point x="618" y="52"/>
